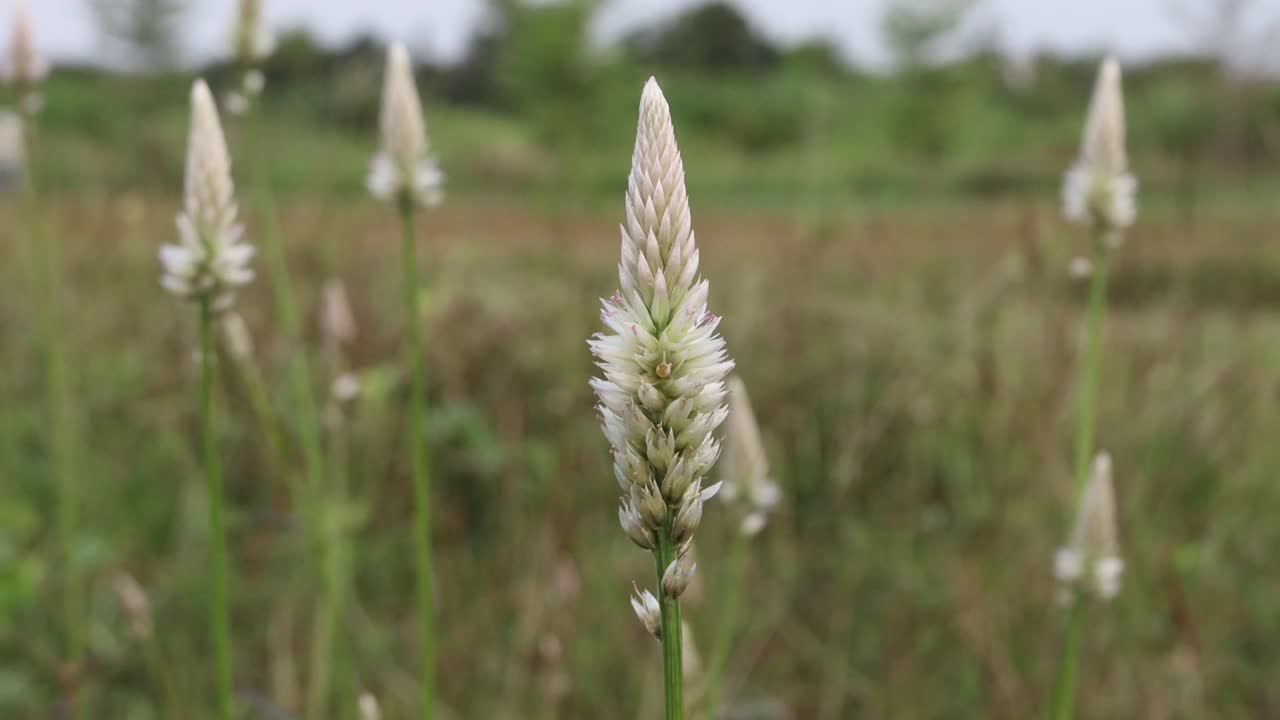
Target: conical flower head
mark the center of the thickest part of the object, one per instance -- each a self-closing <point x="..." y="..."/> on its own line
<point x="251" y="40"/>
<point x="403" y="168"/>
<point x="23" y="68"/>
<point x="1099" y="190"/>
<point x="1092" y="557"/>
<point x="210" y="260"/>
<point x="746" y="466"/>
<point x="662" y="394"/>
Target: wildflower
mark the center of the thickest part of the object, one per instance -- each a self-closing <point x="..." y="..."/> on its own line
<point x="369" y="709"/>
<point x="662" y="393"/>
<point x="136" y="606"/>
<point x="747" y="482"/>
<point x="12" y="148"/>
<point x="1092" y="557"/>
<point x="24" y="68"/>
<point x="1099" y="191"/>
<point x="210" y="260"/>
<point x="647" y="609"/>
<point x="251" y="40"/>
<point x="337" y="322"/>
<point x="239" y="339"/>
<point x="403" y="169"/>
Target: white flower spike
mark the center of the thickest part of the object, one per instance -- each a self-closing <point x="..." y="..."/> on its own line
<point x="403" y="169"/>
<point x="251" y="39"/>
<point x="1092" y="557"/>
<point x="210" y="260"/>
<point x="1099" y="191"/>
<point x="747" y="482"/>
<point x="25" y="67"/>
<point x="662" y="394"/>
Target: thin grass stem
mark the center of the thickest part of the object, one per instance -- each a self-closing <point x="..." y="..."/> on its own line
<point x="219" y="606"/>
<point x="672" y="629"/>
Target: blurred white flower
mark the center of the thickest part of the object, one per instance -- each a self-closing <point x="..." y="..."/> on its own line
<point x="251" y="40"/>
<point x="1091" y="559"/>
<point x="368" y="705"/>
<point x="23" y="67"/>
<point x="254" y="82"/>
<point x="210" y="260"/>
<point x="745" y="471"/>
<point x="239" y="339"/>
<point x="403" y="170"/>
<point x="663" y="391"/>
<point x="236" y="103"/>
<point x="337" y="321"/>
<point x="1099" y="191"/>
<point x="12" y="148"/>
<point x="1080" y="268"/>
<point x="346" y="387"/>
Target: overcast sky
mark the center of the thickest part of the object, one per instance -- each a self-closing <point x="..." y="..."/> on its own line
<point x="1135" y="29"/>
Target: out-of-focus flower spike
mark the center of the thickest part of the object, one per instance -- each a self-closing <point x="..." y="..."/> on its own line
<point x="747" y="480"/>
<point x="251" y="39"/>
<point x="403" y="170"/>
<point x="1099" y="190"/>
<point x="338" y="322"/>
<point x="210" y="260"/>
<point x="1091" y="559"/>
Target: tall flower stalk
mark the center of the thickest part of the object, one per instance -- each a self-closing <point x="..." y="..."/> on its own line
<point x="748" y="487"/>
<point x="24" y="70"/>
<point x="207" y="265"/>
<point x="405" y="173"/>
<point x="1098" y="194"/>
<point x="663" y="390"/>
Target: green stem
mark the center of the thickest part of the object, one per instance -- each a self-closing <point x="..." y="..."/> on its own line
<point x="220" y="615"/>
<point x="1088" y="409"/>
<point x="290" y="320"/>
<point x="1065" y="688"/>
<point x="1064" y="691"/>
<point x="64" y="444"/>
<point x="728" y="627"/>
<point x="328" y="659"/>
<point x="418" y="450"/>
<point x="672" y="629"/>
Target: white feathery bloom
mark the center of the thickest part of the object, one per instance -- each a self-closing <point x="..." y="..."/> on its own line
<point x="1092" y="557"/>
<point x="662" y="394"/>
<point x="251" y="40"/>
<point x="1099" y="191"/>
<point x="745" y="471"/>
<point x="403" y="169"/>
<point x="210" y="260"/>
<point x="23" y="68"/>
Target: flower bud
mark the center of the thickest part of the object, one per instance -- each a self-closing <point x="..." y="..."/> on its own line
<point x="675" y="580"/>
<point x="635" y="527"/>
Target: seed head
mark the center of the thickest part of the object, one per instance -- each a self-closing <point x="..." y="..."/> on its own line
<point x="647" y="609"/>
<point x="1092" y="557"/>
<point x="1099" y="191"/>
<point x="210" y="260"/>
<point x="24" y="68"/>
<point x="403" y="169"/>
<point x="251" y="39"/>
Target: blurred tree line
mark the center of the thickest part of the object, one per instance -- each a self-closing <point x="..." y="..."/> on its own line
<point x="952" y="102"/>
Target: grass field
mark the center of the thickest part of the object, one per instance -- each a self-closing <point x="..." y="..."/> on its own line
<point x="913" y="373"/>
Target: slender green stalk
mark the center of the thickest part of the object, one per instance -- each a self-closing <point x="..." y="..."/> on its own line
<point x="1088" y="409"/>
<point x="418" y="450"/>
<point x="728" y="626"/>
<point x="220" y="614"/>
<point x="290" y="318"/>
<point x="63" y="439"/>
<point x="1065" y="688"/>
<point x="162" y="676"/>
<point x="328" y="656"/>
<point x="672" y="629"/>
